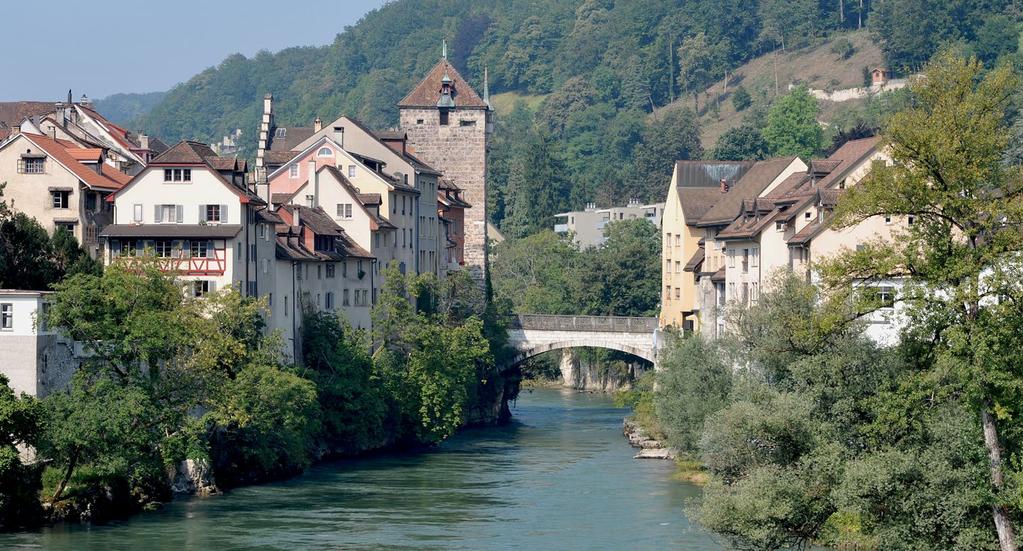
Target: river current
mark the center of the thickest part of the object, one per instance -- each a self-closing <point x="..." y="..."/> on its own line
<point x="560" y="476"/>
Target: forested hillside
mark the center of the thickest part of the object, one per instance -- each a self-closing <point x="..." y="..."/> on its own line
<point x="591" y="72"/>
<point x="125" y="108"/>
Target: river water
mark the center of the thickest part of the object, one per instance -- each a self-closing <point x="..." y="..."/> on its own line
<point x="561" y="476"/>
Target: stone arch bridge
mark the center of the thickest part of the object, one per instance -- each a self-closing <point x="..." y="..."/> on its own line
<point x="532" y="335"/>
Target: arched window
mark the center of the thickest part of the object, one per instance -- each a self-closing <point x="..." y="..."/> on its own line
<point x="325" y="152"/>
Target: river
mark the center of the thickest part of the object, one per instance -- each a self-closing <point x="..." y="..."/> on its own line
<point x="561" y="476"/>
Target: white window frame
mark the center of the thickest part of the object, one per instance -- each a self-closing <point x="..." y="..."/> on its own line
<point x="325" y="152"/>
<point x="293" y="171"/>
<point x="7" y="316"/>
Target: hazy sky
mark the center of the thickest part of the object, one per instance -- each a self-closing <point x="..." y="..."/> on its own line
<point x="101" y="47"/>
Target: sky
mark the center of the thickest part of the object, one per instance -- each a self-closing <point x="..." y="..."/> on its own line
<point x="101" y="47"/>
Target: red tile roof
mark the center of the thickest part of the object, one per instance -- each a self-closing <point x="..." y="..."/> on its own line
<point x="427" y="92"/>
<point x="110" y="179"/>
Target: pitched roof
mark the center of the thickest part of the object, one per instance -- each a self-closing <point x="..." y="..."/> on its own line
<point x="110" y="179"/>
<point x="320" y="223"/>
<point x="407" y="155"/>
<point x="365" y="199"/>
<point x="427" y="92"/>
<point x="752" y="184"/>
<point x="694" y="263"/>
<point x="696" y="201"/>
<point x="12" y="113"/>
<point x="279" y="157"/>
<point x="287" y="138"/>
<point x="849" y="155"/>
<point x="185" y="152"/>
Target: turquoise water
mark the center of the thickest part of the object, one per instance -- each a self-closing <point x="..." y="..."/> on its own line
<point x="560" y="477"/>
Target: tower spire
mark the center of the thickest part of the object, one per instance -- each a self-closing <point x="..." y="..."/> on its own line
<point x="444" y="48"/>
<point x="486" y="86"/>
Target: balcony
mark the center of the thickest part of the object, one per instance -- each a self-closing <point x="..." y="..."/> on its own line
<point x="180" y="265"/>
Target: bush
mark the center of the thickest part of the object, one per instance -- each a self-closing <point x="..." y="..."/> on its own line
<point x="843" y="48"/>
<point x="694" y="382"/>
<point x="741" y="98"/>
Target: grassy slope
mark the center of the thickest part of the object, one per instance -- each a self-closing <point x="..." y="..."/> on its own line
<point x="815" y="67"/>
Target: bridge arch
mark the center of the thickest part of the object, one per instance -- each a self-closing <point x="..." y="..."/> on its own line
<point x="532" y="335"/>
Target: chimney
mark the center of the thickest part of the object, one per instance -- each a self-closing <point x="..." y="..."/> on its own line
<point x="724" y="185"/>
<point x="143" y="141"/>
<point x="53" y="132"/>
<point x="265" y="125"/>
<point x="317" y="125"/>
<point x="297" y="218"/>
<point x="15" y="130"/>
<point x="314" y="179"/>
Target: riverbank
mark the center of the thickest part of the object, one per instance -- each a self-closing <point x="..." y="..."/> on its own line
<point x="558" y="476"/>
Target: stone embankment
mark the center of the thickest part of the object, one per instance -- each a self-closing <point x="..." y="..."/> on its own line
<point x="648" y="447"/>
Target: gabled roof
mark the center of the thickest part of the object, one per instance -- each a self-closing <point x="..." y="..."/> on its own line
<point x="377" y="221"/>
<point x="427" y="93"/>
<point x="283" y="138"/>
<point x="379" y="135"/>
<point x="108" y="179"/>
<point x="849" y="155"/>
<point x="294" y="158"/>
<point x="320" y="223"/>
<point x="752" y="184"/>
<point x="12" y="113"/>
<point x="696" y="201"/>
<point x="199" y="155"/>
<point x="696" y="261"/>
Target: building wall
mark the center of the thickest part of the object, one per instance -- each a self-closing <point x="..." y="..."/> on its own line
<point x="36" y="360"/>
<point x="459" y="150"/>
<point x="29" y="193"/>
<point x="680" y="242"/>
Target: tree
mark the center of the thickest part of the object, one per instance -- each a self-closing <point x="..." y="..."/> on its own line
<point x="26" y="254"/>
<point x="536" y="273"/>
<point x="967" y="208"/>
<point x="741" y="143"/>
<point x="741" y="98"/>
<point x="537" y="187"/>
<point x="671" y="135"/>
<point x="696" y="62"/>
<point x="694" y="381"/>
<point x="19" y="483"/>
<point x="622" y="276"/>
<point x="792" y="127"/>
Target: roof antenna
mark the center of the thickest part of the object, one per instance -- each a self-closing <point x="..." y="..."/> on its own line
<point x="444" y="48"/>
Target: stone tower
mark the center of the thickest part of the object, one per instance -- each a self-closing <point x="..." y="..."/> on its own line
<point x="448" y="126"/>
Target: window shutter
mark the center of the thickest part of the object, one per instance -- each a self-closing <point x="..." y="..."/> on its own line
<point x="202" y="213"/>
<point x="181" y="213"/>
<point x="158" y="214"/>
<point x="212" y="286"/>
<point x="223" y="214"/>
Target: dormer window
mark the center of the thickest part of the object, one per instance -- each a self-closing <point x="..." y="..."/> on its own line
<point x="177" y="175"/>
<point x="325" y="152"/>
<point x="281" y="132"/>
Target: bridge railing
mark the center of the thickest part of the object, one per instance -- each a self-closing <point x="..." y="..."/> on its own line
<point x="609" y="324"/>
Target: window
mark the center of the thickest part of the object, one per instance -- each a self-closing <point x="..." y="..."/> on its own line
<point x="137" y="213"/>
<point x="419" y="121"/>
<point x="678" y="267"/>
<point x="324" y="152"/>
<point x="201" y="287"/>
<point x="177" y="175"/>
<point x="213" y="213"/>
<point x="344" y="269"/>
<point x="754" y="290"/>
<point x="678" y="240"/>
<point x="329" y="301"/>
<point x="351" y="171"/>
<point x="678" y="293"/>
<point x="886" y="296"/>
<point x="33" y="165"/>
<point x="779" y="225"/>
<point x="731" y="291"/>
<point x="285" y="305"/>
<point x="466" y="123"/>
<point x="745" y="261"/>
<point x="331" y="270"/>
<point x="7" y="316"/>
<point x="164" y="248"/>
<point x="344" y="298"/>
<point x="310" y="201"/>
<point x="200" y="249"/>
<point x="90" y="201"/>
<point x="667" y="292"/>
<point x="344" y="210"/>
<point x="66" y="226"/>
<point x="262" y="231"/>
<point x="755" y="257"/>
<point x="807" y="215"/>
<point x="731" y="258"/>
<point x="319" y="271"/>
<point x="168" y="213"/>
<point x="888" y="219"/>
<point x="444" y="117"/>
<point x="293" y="171"/>
<point x="281" y="132"/>
<point x="667" y="266"/>
<point x="60" y="199"/>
